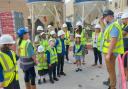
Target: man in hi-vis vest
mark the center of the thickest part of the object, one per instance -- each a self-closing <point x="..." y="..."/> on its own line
<point x="112" y="45"/>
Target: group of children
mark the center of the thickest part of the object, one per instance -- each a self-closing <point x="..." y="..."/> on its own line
<point x="51" y="53"/>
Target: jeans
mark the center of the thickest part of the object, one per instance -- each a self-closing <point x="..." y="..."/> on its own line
<point x="97" y="55"/>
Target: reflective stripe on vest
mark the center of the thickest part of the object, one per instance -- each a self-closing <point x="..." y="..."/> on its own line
<point x="44" y="43"/>
<point x="9" y="68"/>
<point x="77" y="47"/>
<point x="67" y="36"/>
<point x="25" y="61"/>
<point x="59" y="46"/>
<point x="83" y="37"/>
<point x="119" y="48"/>
<point x="53" y="55"/>
<point x="42" y="63"/>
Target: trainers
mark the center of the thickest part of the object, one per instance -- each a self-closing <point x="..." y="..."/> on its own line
<point x="52" y="81"/>
<point x="56" y="79"/>
<point x="100" y="66"/>
<point x="39" y="81"/>
<point x="62" y="73"/>
<point x="44" y="80"/>
<point x="106" y="83"/>
<point x="77" y="70"/>
<point x="69" y="62"/>
<point x="94" y="64"/>
<point x="80" y="69"/>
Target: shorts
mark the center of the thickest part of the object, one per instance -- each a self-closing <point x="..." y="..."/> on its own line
<point x="78" y="57"/>
<point x="42" y="72"/>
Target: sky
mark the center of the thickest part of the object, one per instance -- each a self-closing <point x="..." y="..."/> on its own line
<point x="67" y="0"/>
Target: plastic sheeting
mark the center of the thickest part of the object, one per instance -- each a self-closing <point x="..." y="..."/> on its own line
<point x="29" y="1"/>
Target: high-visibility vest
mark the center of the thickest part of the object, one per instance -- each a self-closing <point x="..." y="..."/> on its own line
<point x="53" y="55"/>
<point x="99" y="38"/>
<point x="42" y="62"/>
<point x="67" y="36"/>
<point x="26" y="62"/>
<point x="10" y="68"/>
<point x="123" y="27"/>
<point x="59" y="46"/>
<point x="119" y="48"/>
<point x="83" y="37"/>
<point x="44" y="43"/>
<point x="77" y="47"/>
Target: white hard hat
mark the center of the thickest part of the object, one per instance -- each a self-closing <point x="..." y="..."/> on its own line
<point x="78" y="35"/>
<point x="40" y="28"/>
<point x="52" y="32"/>
<point x="51" y="40"/>
<point x="49" y="26"/>
<point x="64" y="25"/>
<point x="6" y="39"/>
<point x="97" y="26"/>
<point x="61" y="32"/>
<point x="42" y="33"/>
<point x="124" y="16"/>
<point x="40" y="48"/>
<point x="79" y="23"/>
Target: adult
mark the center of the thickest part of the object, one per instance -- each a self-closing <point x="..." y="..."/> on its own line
<point x="112" y="45"/>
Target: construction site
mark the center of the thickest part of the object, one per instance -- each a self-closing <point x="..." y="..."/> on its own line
<point x="52" y="15"/>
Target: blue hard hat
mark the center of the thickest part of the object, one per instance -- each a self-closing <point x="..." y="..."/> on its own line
<point x="22" y="31"/>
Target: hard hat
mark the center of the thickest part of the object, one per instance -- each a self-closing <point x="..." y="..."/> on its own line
<point x="40" y="28"/>
<point x="22" y="31"/>
<point x="51" y="40"/>
<point x="52" y="32"/>
<point x="108" y="12"/>
<point x="42" y="33"/>
<point x="97" y="26"/>
<point x="64" y="25"/>
<point x="124" y="16"/>
<point x="79" y="23"/>
<point x="6" y="39"/>
<point x="40" y="49"/>
<point x="78" y="35"/>
<point x="49" y="26"/>
<point x="61" y="32"/>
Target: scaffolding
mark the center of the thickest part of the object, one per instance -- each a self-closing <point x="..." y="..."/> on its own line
<point x="52" y="10"/>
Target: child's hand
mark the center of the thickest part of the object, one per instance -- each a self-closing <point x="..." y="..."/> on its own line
<point x="49" y="65"/>
<point x="1" y="85"/>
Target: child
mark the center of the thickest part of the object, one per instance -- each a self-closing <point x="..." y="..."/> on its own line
<point x="77" y="50"/>
<point x="52" y="61"/>
<point x="42" y="65"/>
<point x="8" y="64"/>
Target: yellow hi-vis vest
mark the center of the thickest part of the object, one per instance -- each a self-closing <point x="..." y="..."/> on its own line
<point x="53" y="55"/>
<point x="44" y="43"/>
<point x="59" y="46"/>
<point x="42" y="62"/>
<point x="83" y="37"/>
<point x="67" y="36"/>
<point x="119" y="48"/>
<point x="77" y="47"/>
<point x="25" y="60"/>
<point x="98" y="40"/>
<point x="10" y="69"/>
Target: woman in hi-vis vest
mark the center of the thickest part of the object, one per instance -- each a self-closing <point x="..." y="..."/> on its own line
<point x="27" y="58"/>
<point x="8" y="64"/>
